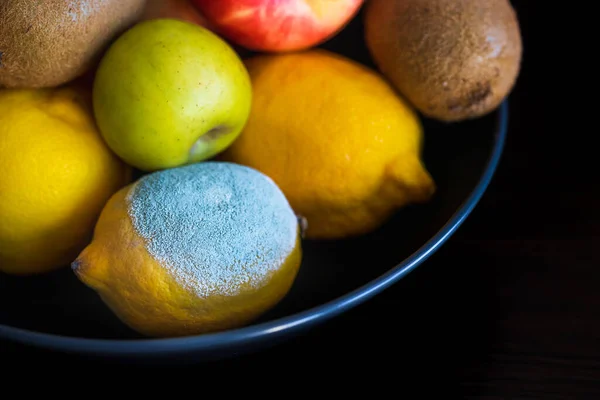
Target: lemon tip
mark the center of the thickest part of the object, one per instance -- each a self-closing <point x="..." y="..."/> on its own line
<point x="77" y="266"/>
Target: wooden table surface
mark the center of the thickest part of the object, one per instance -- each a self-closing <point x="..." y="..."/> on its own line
<point x="509" y="308"/>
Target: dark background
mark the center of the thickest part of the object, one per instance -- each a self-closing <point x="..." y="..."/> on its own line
<point x="509" y="307"/>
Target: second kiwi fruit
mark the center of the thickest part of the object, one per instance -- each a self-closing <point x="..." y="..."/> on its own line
<point x="452" y="59"/>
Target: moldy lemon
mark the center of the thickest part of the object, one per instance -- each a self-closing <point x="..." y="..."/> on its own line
<point x="193" y="249"/>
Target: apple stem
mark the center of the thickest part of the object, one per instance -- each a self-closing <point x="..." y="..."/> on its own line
<point x="203" y="143"/>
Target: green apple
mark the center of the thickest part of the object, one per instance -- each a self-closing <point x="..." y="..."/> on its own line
<point x="169" y="93"/>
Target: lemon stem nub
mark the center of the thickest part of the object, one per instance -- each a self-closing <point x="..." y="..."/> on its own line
<point x="303" y="223"/>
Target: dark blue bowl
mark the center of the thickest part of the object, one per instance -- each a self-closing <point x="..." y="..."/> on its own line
<point x="56" y="311"/>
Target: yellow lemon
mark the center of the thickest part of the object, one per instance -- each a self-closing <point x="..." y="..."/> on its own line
<point x="56" y="175"/>
<point x="193" y="249"/>
<point x="336" y="138"/>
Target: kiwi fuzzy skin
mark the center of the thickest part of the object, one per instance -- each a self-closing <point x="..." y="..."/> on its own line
<point x="454" y="60"/>
<point x="51" y="42"/>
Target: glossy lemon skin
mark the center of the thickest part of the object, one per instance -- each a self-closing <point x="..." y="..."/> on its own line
<point x="56" y="174"/>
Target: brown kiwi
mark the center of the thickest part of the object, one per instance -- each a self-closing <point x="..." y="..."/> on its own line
<point x="51" y="42"/>
<point x="452" y="59"/>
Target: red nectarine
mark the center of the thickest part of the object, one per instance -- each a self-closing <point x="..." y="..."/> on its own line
<point x="278" y="25"/>
<point x="178" y="9"/>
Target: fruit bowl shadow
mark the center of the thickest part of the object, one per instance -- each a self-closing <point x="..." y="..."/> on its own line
<point x="56" y="311"/>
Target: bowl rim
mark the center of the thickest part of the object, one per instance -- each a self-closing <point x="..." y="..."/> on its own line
<point x="270" y="330"/>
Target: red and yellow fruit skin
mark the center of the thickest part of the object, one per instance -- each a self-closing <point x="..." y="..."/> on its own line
<point x="278" y="25"/>
<point x="177" y="9"/>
